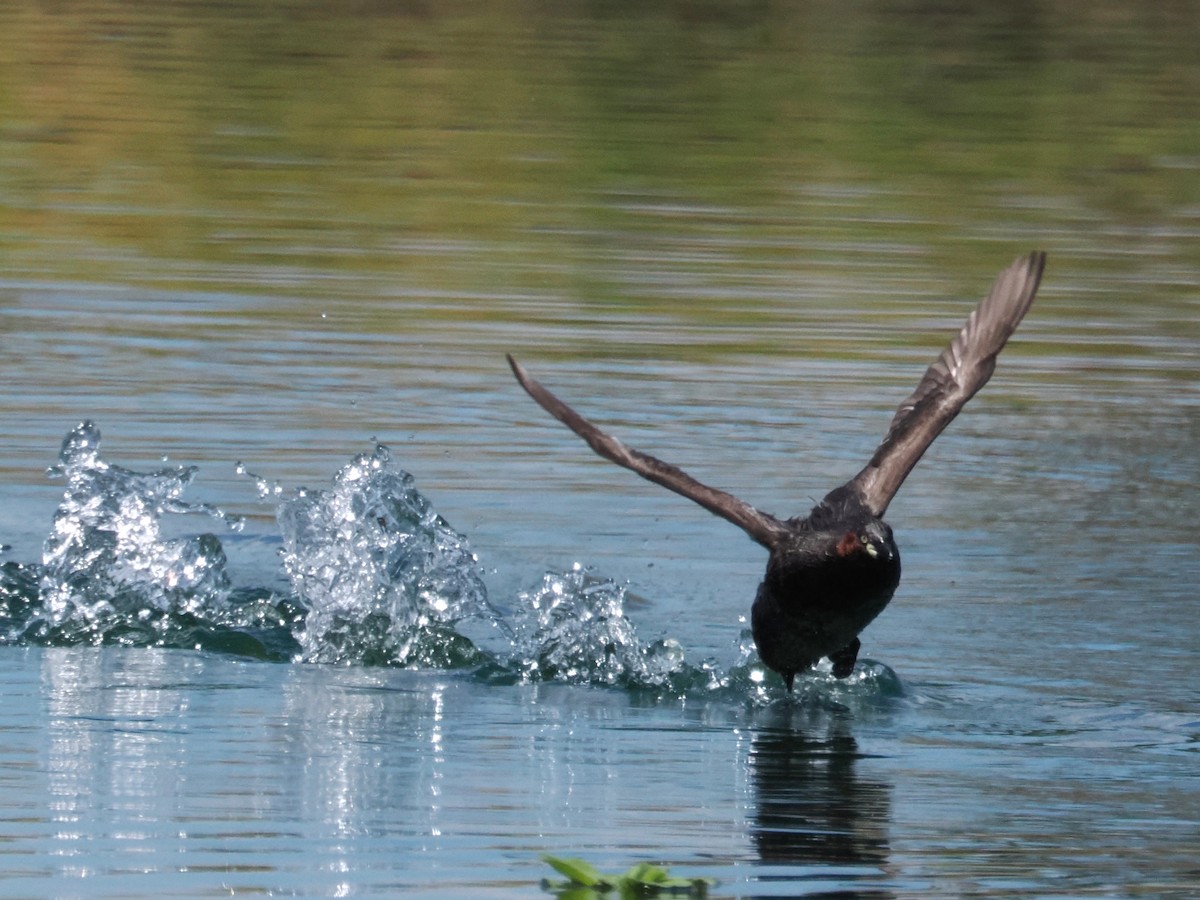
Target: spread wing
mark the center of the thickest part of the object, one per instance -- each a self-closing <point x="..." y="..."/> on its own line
<point x="953" y="379"/>
<point x="764" y="528"/>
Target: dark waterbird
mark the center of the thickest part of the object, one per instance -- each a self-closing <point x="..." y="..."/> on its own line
<point x="832" y="572"/>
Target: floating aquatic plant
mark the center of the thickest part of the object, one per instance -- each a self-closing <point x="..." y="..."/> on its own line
<point x="583" y="881"/>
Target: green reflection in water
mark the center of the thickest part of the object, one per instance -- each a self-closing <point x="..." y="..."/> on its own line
<point x="596" y="151"/>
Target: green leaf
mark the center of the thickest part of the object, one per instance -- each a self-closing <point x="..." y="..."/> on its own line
<point x="647" y="874"/>
<point x="568" y="890"/>
<point x="585" y="882"/>
<point x="576" y="870"/>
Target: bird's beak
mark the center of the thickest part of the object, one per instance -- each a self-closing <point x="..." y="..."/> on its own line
<point x="879" y="550"/>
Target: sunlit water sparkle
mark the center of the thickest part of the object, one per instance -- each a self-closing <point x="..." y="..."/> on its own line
<point x="377" y="577"/>
<point x="734" y="235"/>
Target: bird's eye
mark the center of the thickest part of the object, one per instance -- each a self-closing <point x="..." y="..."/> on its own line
<point x="864" y="539"/>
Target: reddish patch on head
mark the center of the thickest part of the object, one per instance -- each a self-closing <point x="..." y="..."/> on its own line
<point x="848" y="544"/>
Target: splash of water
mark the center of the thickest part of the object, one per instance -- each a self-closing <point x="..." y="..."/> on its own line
<point x="386" y="580"/>
<point x="379" y="578"/>
<point x="749" y="678"/>
<point x="384" y="577"/>
<point x="105" y="565"/>
<point x="573" y="627"/>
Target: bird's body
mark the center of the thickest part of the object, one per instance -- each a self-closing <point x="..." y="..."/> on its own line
<point x="829" y="574"/>
<point x="825" y="582"/>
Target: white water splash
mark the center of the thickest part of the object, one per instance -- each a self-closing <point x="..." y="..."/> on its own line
<point x="379" y="578"/>
<point x="105" y="557"/>
<point x="573" y="627"/>
<point x="384" y="577"/>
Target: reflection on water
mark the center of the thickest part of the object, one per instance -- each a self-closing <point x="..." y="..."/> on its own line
<point x="153" y="764"/>
<point x="816" y="817"/>
<point x="812" y="808"/>
<point x="120" y="749"/>
<point x="205" y="773"/>
<point x="302" y="148"/>
<point x="150" y="773"/>
<point x="346" y="735"/>
<point x="734" y="233"/>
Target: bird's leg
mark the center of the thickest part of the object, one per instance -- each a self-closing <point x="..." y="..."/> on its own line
<point x="844" y="659"/>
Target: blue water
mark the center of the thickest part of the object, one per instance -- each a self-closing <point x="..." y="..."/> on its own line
<point x="331" y="690"/>
<point x="301" y="595"/>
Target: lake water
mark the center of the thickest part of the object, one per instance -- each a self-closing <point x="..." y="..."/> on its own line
<point x="400" y="633"/>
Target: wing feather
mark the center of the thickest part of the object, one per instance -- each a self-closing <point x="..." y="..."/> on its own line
<point x="954" y="377"/>
<point x="762" y="527"/>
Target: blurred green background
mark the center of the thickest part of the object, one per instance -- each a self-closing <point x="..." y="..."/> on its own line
<point x="252" y="145"/>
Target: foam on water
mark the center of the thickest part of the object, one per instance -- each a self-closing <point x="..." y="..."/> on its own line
<point x="377" y="577"/>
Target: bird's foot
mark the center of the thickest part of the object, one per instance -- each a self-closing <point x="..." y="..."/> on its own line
<point x="844" y="659"/>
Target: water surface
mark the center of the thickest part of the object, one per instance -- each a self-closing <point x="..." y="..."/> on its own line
<point x="733" y="235"/>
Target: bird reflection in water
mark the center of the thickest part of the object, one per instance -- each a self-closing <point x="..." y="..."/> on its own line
<point x="814" y="811"/>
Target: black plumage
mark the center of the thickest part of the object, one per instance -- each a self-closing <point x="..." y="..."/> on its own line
<point x="830" y="573"/>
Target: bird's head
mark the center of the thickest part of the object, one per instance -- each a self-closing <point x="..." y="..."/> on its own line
<point x="872" y="539"/>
